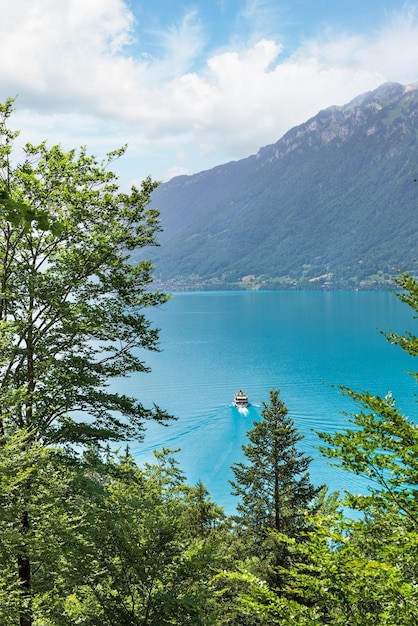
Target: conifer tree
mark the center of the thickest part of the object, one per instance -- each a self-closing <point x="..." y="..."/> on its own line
<point x="383" y="444"/>
<point x="274" y="486"/>
<point x="275" y="494"/>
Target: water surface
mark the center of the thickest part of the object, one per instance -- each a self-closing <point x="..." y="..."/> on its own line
<point x="303" y="343"/>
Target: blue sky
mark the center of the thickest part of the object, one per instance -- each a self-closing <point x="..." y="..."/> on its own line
<point x="190" y="85"/>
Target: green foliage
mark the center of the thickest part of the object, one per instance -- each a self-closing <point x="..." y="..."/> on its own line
<point x="274" y="485"/>
<point x="383" y="444"/>
<point x="49" y="490"/>
<point x="275" y="494"/>
<point x="142" y="568"/>
<point x="71" y="299"/>
<point x="17" y="212"/>
<point x="108" y="542"/>
<point x="202" y="515"/>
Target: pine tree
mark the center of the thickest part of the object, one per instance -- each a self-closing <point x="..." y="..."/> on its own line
<point x="275" y="492"/>
<point x="274" y="486"/>
<point x="383" y="444"/>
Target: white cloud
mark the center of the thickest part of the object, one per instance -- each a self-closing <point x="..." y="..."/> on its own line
<point x="250" y="98"/>
<point x="80" y="80"/>
<point x="65" y="58"/>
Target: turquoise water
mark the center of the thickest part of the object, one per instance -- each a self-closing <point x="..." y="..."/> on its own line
<point x="303" y="343"/>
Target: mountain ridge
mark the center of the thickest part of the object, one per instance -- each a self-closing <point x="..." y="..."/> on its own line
<point x="331" y="204"/>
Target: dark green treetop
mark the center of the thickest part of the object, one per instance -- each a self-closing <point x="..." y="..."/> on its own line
<point x="274" y="486"/>
<point x="277" y="502"/>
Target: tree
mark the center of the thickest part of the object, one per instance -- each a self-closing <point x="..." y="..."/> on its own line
<point x="202" y="516"/>
<point x="382" y="445"/>
<point x="71" y="300"/>
<point x="61" y="499"/>
<point x="142" y="565"/>
<point x="14" y="211"/>
<point x="274" y="487"/>
<point x="333" y="580"/>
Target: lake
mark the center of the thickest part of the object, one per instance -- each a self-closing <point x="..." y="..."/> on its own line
<point x="303" y="343"/>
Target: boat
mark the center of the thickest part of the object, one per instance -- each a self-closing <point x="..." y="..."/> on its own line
<point x="240" y="399"/>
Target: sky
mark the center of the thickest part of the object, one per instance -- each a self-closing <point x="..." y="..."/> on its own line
<point x="189" y="85"/>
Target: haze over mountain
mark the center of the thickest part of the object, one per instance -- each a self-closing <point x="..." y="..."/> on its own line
<point x="333" y="203"/>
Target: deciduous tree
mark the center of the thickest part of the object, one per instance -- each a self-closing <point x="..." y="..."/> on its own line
<point x="71" y="303"/>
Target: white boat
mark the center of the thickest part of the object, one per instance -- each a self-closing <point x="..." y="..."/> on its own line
<point x="240" y="399"/>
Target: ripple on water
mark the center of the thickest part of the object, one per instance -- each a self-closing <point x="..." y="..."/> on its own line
<point x="305" y="344"/>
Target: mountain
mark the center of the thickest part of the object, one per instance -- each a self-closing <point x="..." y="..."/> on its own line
<point x="333" y="203"/>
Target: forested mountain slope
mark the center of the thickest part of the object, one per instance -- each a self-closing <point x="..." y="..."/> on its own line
<point x="333" y="203"/>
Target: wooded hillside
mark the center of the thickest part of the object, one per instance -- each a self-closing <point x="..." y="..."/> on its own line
<point x="332" y="203"/>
